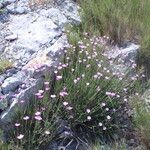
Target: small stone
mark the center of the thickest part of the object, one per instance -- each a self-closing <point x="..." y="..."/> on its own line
<point x="12" y="83"/>
<point x="10" y="1"/>
<point x="23" y="86"/>
<point x="11" y="37"/>
<point x="132" y="141"/>
<point x="9" y="74"/>
<point x="12" y="71"/>
<point x="19" y="10"/>
<point x="2" y="78"/>
<point x="1" y="5"/>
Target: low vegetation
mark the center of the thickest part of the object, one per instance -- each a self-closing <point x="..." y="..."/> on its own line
<point x="4" y="65"/>
<point x="142" y="119"/>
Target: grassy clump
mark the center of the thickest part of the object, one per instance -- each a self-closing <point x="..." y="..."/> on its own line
<point x="4" y="65"/>
<point x="120" y="20"/>
<point x="92" y="92"/>
<point x="34" y="126"/>
<point x="86" y="93"/>
<point x="142" y="119"/>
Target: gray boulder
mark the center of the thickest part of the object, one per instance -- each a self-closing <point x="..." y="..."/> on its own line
<point x="11" y="83"/>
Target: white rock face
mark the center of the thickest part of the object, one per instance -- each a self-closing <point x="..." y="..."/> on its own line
<point x="32" y="38"/>
<point x="124" y="59"/>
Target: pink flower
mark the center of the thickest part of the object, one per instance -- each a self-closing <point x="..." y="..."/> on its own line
<point x="43" y="109"/>
<point x="47" y="89"/>
<point x="69" y="108"/>
<point x="40" y="96"/>
<point x="107" y="109"/>
<point x="22" y="101"/>
<point x="39" y="118"/>
<point x="87" y="84"/>
<point x="95" y="76"/>
<point x="55" y="71"/>
<point x="75" y="81"/>
<point x="59" y="67"/>
<point x="63" y="94"/>
<point x="47" y="132"/>
<point x="65" y="103"/>
<point x="88" y="117"/>
<point x="64" y="65"/>
<point x="108" y="93"/>
<point x="17" y="124"/>
<point x="37" y="94"/>
<point x="88" y="110"/>
<point x="46" y="83"/>
<point x="38" y="113"/>
<point x="58" y="77"/>
<point x="106" y="78"/>
<point x="41" y="91"/>
<point x="100" y="124"/>
<point x="113" y="94"/>
<point x="53" y="96"/>
<point x="72" y="70"/>
<point x="108" y="117"/>
<point x="103" y="104"/>
<point x="26" y="117"/>
<point x="125" y="100"/>
<point x="104" y="128"/>
<point x="20" y="136"/>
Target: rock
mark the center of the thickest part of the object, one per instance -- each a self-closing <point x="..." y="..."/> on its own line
<point x="19" y="10"/>
<point x="55" y="15"/>
<point x="10" y="1"/>
<point x="11" y="37"/>
<point x="1" y="5"/>
<point x="2" y="78"/>
<point x="123" y="58"/>
<point x="23" y="86"/>
<point x="70" y="10"/>
<point x="12" y="71"/>
<point x="11" y="83"/>
<point x="57" y="49"/>
<point x="7" y="2"/>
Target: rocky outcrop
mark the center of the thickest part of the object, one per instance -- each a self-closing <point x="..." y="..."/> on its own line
<point x="31" y="37"/>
